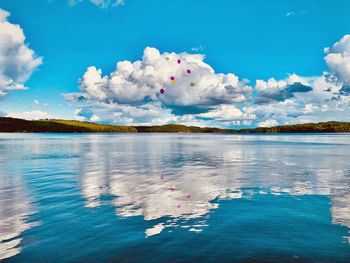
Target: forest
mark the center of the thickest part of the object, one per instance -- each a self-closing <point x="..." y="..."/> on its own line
<point x="71" y="126"/>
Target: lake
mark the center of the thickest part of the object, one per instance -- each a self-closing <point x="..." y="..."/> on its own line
<point x="174" y="198"/>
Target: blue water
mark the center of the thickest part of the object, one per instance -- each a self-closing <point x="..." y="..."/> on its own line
<point x="235" y="198"/>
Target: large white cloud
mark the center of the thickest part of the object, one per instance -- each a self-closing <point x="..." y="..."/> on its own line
<point x="17" y="60"/>
<point x="141" y="81"/>
<point x="133" y="90"/>
<point x="338" y="60"/>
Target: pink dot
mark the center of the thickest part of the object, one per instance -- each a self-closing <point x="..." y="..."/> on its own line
<point x="178" y="206"/>
<point x="178" y="61"/>
<point x="172" y="189"/>
<point x="162" y="91"/>
<point x="189" y="196"/>
<point x="172" y="78"/>
<point x="188" y="71"/>
<point x="162" y="177"/>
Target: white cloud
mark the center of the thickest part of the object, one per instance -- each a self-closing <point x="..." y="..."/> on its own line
<point x="99" y="3"/>
<point x="235" y="123"/>
<point x="77" y="116"/>
<point x="17" y="61"/>
<point x="132" y="92"/>
<point x="135" y="83"/>
<point x="268" y="123"/>
<point x="309" y="108"/>
<point x="198" y="48"/>
<point x="226" y="112"/>
<point x="338" y="60"/>
<point x="36" y="102"/>
<point x="30" y="115"/>
<point x="274" y="91"/>
<point x="296" y="13"/>
<point x="95" y="118"/>
<point x="247" y="122"/>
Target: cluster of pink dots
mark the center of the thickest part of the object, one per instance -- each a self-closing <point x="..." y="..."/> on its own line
<point x="172" y="78"/>
<point x="173" y="189"/>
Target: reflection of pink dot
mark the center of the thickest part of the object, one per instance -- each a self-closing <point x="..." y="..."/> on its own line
<point x="178" y="61"/>
<point x="188" y="71"/>
<point x="189" y="196"/>
<point x="162" y="91"/>
<point x="178" y="206"/>
<point x="172" y="78"/>
<point x="162" y="177"/>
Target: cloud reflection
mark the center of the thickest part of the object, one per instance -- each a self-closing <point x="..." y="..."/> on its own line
<point x="14" y="212"/>
<point x="128" y="169"/>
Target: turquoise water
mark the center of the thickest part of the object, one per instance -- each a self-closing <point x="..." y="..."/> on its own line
<point x="223" y="198"/>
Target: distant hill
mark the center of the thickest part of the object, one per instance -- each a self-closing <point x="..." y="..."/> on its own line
<point x="330" y="126"/>
<point x="19" y="125"/>
<point x="66" y="126"/>
<point x="182" y="128"/>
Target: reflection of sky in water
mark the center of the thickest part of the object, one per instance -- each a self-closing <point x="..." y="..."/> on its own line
<point x="209" y="168"/>
<point x="15" y="207"/>
<point x="47" y="180"/>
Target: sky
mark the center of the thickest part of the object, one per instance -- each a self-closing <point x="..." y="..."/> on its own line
<point x="236" y="64"/>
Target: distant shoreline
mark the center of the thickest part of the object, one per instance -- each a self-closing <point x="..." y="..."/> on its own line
<point x="13" y="125"/>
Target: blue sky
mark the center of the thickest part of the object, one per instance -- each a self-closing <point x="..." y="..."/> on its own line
<point x="254" y="40"/>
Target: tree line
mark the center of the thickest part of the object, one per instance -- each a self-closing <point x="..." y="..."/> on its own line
<point x="70" y="126"/>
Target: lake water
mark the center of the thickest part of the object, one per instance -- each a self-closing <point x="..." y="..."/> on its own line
<point x="174" y="198"/>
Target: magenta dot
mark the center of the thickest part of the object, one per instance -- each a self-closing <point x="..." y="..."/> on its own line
<point x="172" y="78"/>
<point x="189" y="196"/>
<point x="162" y="91"/>
<point x="188" y="71"/>
<point x="162" y="177"/>
<point x="178" y="206"/>
<point x="178" y="61"/>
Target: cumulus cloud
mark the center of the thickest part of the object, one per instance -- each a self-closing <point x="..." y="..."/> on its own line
<point x="133" y="89"/>
<point x="30" y="115"/>
<point x="94" y="118"/>
<point x="141" y="81"/>
<point x="227" y="112"/>
<point x="17" y="60"/>
<point x="275" y="91"/>
<point x="268" y="123"/>
<point x="338" y="62"/>
<point x="85" y="115"/>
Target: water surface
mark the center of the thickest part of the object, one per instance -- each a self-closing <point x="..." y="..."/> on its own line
<point x="223" y="198"/>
